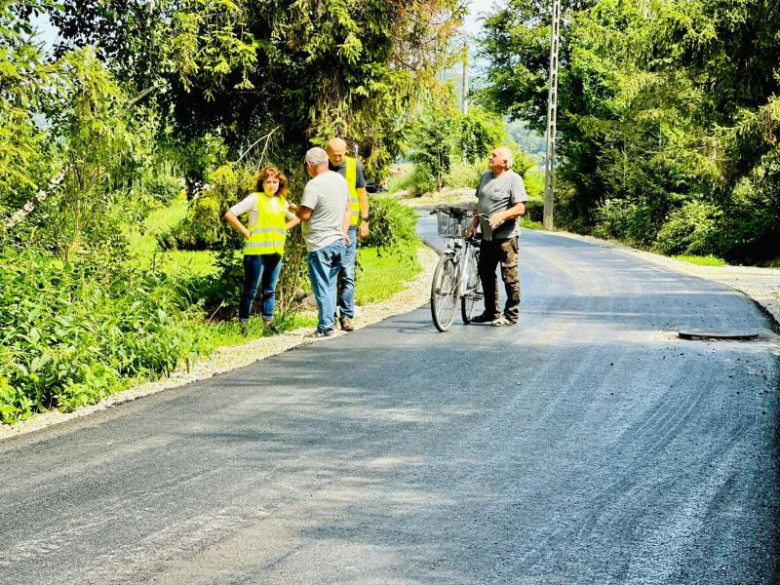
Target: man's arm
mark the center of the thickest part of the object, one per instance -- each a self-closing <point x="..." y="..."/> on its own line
<point x="513" y="212"/>
<point x="363" y="197"/>
<point x="303" y="213"/>
<point x="347" y="219"/>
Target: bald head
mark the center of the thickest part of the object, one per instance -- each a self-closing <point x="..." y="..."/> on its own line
<point x="337" y="150"/>
<point x="501" y="159"/>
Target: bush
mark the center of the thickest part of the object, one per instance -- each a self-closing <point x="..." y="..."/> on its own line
<point x="689" y="230"/>
<point x="464" y="174"/>
<point x="72" y="333"/>
<point x="534" y="209"/>
<point x="163" y="188"/>
<point x="422" y="181"/>
<point x="626" y="221"/>
<point x="534" y="182"/>
<point x="205" y="228"/>
<point x="392" y="224"/>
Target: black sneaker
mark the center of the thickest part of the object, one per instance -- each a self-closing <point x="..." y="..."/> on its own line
<point x="484" y="318"/>
<point x="504" y="322"/>
<point x="319" y="334"/>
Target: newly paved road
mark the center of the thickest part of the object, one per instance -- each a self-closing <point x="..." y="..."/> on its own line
<point x="586" y="446"/>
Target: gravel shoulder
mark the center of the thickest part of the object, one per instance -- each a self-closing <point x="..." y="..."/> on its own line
<point x="225" y="359"/>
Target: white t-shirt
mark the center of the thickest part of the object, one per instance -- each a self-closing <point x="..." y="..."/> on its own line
<point x="326" y="195"/>
<point x="249" y="205"/>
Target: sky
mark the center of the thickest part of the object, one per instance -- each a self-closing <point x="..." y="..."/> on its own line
<point x="476" y="8"/>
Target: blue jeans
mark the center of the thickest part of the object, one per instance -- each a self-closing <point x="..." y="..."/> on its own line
<point x="257" y="267"/>
<point x="324" y="266"/>
<point x="347" y="276"/>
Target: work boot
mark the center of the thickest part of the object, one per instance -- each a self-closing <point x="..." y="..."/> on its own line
<point x="347" y="324"/>
<point x="484" y="318"/>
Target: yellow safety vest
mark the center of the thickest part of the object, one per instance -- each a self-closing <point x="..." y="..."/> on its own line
<point x="351" y="177"/>
<point x="268" y="235"/>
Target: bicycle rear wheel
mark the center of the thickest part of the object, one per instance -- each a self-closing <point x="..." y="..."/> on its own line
<point x="444" y="294"/>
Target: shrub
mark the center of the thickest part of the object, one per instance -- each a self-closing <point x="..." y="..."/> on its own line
<point x="534" y="182"/>
<point x="204" y="228"/>
<point x="392" y="224"/>
<point x="534" y="209"/>
<point x="422" y="181"/>
<point x="464" y="174"/>
<point x="163" y="188"/>
<point x="613" y="219"/>
<point x="689" y="229"/>
<point x="401" y="181"/>
<point x="72" y="333"/>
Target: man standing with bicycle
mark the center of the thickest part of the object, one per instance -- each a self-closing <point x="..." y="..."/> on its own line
<point x="501" y="195"/>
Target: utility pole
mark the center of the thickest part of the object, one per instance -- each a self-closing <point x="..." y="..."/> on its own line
<point x="552" y="118"/>
<point x="465" y="85"/>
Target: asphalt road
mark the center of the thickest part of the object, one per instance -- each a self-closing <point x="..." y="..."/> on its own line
<point x="588" y="445"/>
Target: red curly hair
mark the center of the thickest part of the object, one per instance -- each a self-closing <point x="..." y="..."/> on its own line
<point x="270" y="170"/>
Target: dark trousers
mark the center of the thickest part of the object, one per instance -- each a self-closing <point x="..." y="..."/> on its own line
<point x="259" y="268"/>
<point x="504" y="252"/>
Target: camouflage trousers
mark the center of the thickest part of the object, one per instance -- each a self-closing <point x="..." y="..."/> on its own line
<point x="493" y="253"/>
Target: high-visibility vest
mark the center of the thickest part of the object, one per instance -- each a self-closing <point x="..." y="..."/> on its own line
<point x="268" y="235"/>
<point x="351" y="177"/>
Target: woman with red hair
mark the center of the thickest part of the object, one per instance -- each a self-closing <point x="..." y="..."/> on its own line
<point x="269" y="218"/>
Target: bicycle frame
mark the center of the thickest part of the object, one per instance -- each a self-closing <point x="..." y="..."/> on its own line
<point x="459" y="250"/>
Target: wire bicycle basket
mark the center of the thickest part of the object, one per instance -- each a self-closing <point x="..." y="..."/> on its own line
<point x="453" y="221"/>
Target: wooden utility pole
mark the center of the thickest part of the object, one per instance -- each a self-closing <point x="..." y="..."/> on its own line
<point x="552" y="118"/>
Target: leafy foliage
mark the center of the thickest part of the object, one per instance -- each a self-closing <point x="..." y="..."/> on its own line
<point x="71" y="332"/>
<point x="667" y="117"/>
<point x="393" y="225"/>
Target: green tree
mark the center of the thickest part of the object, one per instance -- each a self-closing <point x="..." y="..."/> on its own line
<point x="666" y="114"/>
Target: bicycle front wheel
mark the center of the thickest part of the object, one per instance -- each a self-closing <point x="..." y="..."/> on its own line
<point x="469" y="302"/>
<point x="444" y="294"/>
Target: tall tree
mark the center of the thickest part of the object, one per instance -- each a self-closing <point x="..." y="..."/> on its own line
<point x="238" y="69"/>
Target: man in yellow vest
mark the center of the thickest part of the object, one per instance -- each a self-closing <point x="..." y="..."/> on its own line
<point x="352" y="171"/>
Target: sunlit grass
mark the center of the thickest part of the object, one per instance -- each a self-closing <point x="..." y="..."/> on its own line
<point x="228" y="333"/>
<point x="701" y="260"/>
<point x="382" y="274"/>
<point x="530" y="224"/>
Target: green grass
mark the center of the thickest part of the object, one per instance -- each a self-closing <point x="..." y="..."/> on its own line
<point x="530" y="224"/>
<point x="402" y="182"/>
<point x="186" y="264"/>
<point x="226" y="333"/>
<point x="702" y="260"/>
<point x="143" y="244"/>
<point x="382" y="276"/>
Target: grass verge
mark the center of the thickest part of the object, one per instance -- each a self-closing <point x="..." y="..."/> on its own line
<point x="383" y="274"/>
<point x="701" y="260"/>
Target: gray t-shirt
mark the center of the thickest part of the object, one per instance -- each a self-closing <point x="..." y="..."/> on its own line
<point x="326" y="195"/>
<point x="498" y="194"/>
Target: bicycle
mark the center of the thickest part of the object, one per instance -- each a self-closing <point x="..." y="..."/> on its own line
<point x="456" y="277"/>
